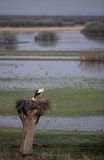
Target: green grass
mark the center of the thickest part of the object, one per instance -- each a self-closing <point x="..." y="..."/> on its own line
<point x="64" y="101"/>
<point x="52" y="145"/>
<point x="88" y="55"/>
<point x="49" y="53"/>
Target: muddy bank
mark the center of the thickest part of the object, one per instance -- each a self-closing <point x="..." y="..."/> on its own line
<point x="41" y="29"/>
<point x="91" y="123"/>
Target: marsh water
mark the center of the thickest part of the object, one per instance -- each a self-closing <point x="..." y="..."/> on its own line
<point x="91" y="123"/>
<point x="66" y="41"/>
<point x="50" y="73"/>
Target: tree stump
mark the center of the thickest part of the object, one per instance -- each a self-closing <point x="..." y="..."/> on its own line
<point x="29" y="111"/>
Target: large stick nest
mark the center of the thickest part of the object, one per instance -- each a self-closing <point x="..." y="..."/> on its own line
<point x="23" y="106"/>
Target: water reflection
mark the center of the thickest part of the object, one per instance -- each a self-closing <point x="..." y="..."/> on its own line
<point x="99" y="39"/>
<point x="8" y="41"/>
<point x="8" y="47"/>
<point x="92" y="66"/>
<point x="46" y="39"/>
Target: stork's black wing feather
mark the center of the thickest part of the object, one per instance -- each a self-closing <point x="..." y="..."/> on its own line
<point x="37" y="94"/>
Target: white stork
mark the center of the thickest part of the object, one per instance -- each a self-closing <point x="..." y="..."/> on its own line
<point x="37" y="93"/>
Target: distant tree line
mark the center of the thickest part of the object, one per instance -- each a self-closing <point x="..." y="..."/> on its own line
<point x="32" y="21"/>
<point x="28" y="23"/>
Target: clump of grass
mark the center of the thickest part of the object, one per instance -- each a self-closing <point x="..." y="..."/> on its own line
<point x="94" y="29"/>
<point x="8" y="38"/>
<point x="46" y="38"/>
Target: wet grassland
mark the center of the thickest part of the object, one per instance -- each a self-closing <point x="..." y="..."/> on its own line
<point x="53" y="145"/>
<point x="52" y="53"/>
<point x="65" y="102"/>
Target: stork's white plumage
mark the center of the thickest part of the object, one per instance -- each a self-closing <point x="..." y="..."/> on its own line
<point x="40" y="90"/>
<point x="37" y="93"/>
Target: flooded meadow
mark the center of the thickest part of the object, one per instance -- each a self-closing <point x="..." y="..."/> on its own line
<point x="47" y="73"/>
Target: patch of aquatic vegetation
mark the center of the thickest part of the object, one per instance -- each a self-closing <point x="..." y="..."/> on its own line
<point x="9" y="65"/>
<point x="51" y="82"/>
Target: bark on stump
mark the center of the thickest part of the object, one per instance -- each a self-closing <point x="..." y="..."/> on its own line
<point x="29" y="112"/>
